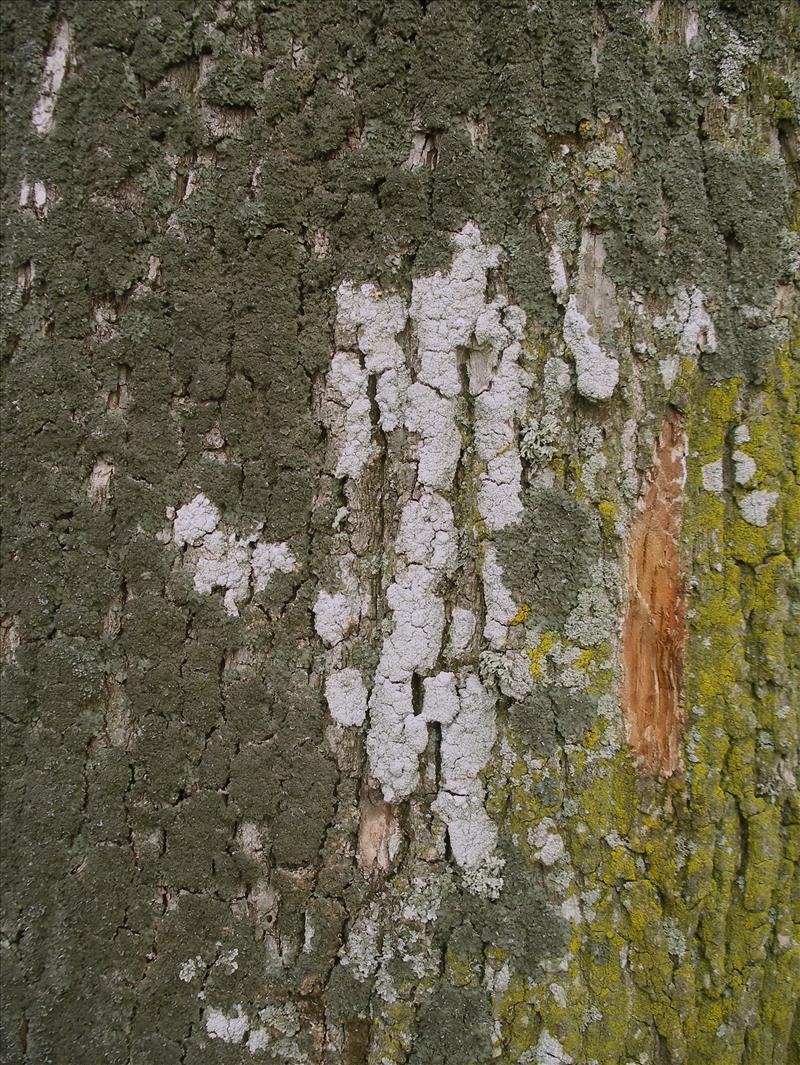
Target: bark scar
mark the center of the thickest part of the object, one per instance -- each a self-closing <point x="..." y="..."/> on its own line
<point x="654" y="624"/>
<point x="377" y="827"/>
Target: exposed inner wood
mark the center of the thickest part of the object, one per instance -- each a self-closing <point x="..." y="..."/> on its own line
<point x="654" y="625"/>
<point x="376" y="826"/>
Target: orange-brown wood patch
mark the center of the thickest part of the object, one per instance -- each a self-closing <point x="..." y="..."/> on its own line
<point x="654" y="625"/>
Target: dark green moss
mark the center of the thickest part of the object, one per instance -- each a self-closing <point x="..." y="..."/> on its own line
<point x="453" y="1027"/>
<point x="550" y="717"/>
<point x="547" y="557"/>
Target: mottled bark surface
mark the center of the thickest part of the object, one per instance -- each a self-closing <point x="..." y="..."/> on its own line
<point x="400" y="532"/>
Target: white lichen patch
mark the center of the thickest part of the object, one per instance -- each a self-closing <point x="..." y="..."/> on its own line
<point x="496" y="411"/>
<point x="335" y="615"/>
<point x="269" y="559"/>
<point x="351" y="425"/>
<point x="445" y="309"/>
<point x="369" y="322"/>
<point x="432" y="416"/>
<point x="190" y="968"/>
<point x="668" y="368"/>
<point x="277" y="1032"/>
<point x="735" y="55"/>
<point x="603" y="157"/>
<point x="427" y="534"/>
<point x="486" y="878"/>
<point x="689" y="324"/>
<point x="397" y="737"/>
<point x="237" y="565"/>
<point x="361" y="952"/>
<point x="227" y="962"/>
<point x="195" y="520"/>
<point x="440" y="701"/>
<point x="224" y="563"/>
<point x="548" y="843"/>
<point x="422" y="901"/>
<point x="467" y="741"/>
<point x="418" y="612"/>
<point x="597" y="372"/>
<point x="449" y="390"/>
<point x="227" y="1027"/>
<point x="274" y="1028"/>
<point x="509" y="670"/>
<point x="346" y="695"/>
<point x="571" y="910"/>
<point x="696" y="329"/>
<point x="55" y="67"/>
<point x="257" y="1040"/>
<point x="550" y="1052"/>
<point x="711" y="475"/>
<point x="744" y="467"/>
<point x="500" y="605"/>
<point x="756" y="506"/>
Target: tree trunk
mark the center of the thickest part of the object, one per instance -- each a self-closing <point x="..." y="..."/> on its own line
<point x="399" y="620"/>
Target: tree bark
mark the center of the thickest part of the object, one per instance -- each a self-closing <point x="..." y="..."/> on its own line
<point x="401" y="519"/>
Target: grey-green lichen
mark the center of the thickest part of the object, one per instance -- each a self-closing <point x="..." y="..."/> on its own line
<point x="186" y="184"/>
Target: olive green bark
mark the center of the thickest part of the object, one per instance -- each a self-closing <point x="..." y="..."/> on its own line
<point x="181" y="876"/>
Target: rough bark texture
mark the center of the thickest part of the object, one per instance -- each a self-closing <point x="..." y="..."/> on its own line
<point x="338" y="344"/>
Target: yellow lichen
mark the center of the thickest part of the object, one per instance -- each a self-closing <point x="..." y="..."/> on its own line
<point x="536" y="654"/>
